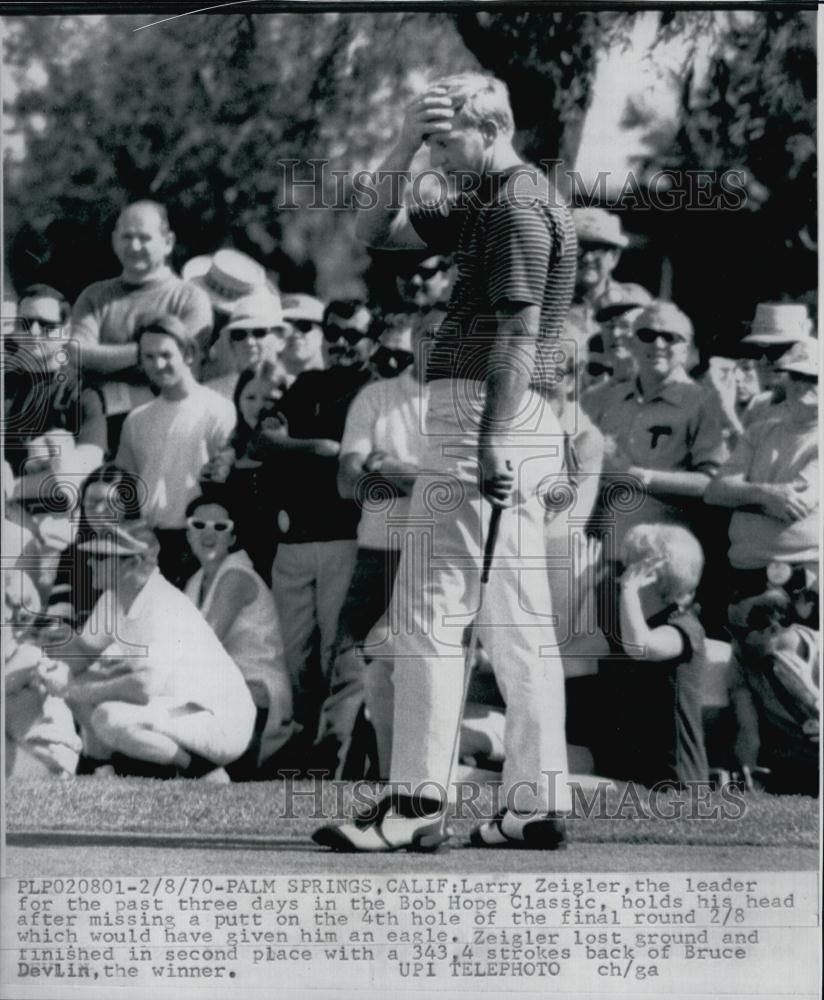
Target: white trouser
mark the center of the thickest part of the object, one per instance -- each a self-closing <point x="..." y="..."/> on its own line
<point x="437" y="593"/>
<point x="155" y="731"/>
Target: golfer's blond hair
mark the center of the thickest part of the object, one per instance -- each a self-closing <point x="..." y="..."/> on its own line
<point x="479" y="98"/>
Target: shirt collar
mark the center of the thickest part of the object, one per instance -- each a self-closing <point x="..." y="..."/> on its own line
<point x="672" y="390"/>
<point x="136" y="611"/>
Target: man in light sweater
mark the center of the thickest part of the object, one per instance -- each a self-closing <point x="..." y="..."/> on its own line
<point x="168" y="441"/>
<point x="107" y="314"/>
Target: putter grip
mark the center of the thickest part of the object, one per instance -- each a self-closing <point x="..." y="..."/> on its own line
<point x="491" y="539"/>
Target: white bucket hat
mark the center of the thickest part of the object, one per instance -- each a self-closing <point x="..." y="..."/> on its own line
<point x="261" y="309"/>
<point x="298" y="305"/>
<point x="778" y="323"/>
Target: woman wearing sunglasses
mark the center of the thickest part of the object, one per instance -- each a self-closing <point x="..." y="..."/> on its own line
<point x="255" y="332"/>
<point x="238" y="605"/>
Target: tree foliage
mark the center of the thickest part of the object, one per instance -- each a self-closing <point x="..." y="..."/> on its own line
<point x="755" y="113"/>
<point x="548" y="60"/>
<point x="200" y="113"/>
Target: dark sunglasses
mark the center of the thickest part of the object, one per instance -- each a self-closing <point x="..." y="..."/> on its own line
<point x="595" y="368"/>
<point x="350" y="334"/>
<point x="303" y="325"/>
<point x="426" y="272"/>
<point x="391" y="360"/>
<point x="650" y="336"/>
<point x="46" y="326"/>
<point x="240" y="334"/>
<point x="771" y="354"/>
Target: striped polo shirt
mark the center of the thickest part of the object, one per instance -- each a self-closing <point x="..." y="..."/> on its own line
<point x="514" y="243"/>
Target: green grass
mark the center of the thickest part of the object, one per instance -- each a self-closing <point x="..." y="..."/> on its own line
<point x="270" y="809"/>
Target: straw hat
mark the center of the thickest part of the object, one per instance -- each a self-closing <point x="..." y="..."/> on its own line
<point x="225" y="276"/>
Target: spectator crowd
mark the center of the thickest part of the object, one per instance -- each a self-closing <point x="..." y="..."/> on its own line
<point x="207" y="484"/>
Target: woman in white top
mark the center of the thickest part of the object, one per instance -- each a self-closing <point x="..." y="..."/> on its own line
<point x="240" y="609"/>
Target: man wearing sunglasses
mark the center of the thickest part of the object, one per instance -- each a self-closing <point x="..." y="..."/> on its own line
<point x="663" y="430"/>
<point x="316" y="526"/>
<point x="393" y="352"/>
<point x="771" y="482"/>
<point x="775" y="328"/>
<point x="42" y="381"/>
<point x="255" y="332"/>
<point x="303" y="347"/>
<point x="429" y="283"/>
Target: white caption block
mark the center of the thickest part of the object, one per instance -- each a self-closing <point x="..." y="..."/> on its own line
<point x="676" y="935"/>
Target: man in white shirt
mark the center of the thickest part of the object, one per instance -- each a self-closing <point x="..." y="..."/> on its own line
<point x="379" y="460"/>
<point x="168" y="441"/>
<point x="152" y="687"/>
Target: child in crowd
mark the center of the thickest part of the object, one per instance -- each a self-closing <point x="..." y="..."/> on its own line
<point x="655" y="699"/>
<point x="775" y="692"/>
<point x="168" y="441"/>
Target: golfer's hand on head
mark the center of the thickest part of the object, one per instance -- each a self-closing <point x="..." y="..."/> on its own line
<point x="497" y="474"/>
<point x="429" y="113"/>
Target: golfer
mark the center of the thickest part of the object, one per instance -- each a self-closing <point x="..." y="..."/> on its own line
<point x="492" y="440"/>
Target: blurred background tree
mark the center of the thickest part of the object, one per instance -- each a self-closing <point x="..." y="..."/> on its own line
<point x="202" y="112"/>
<point x="754" y="113"/>
<point x="198" y="113"/>
<point x="548" y="60"/>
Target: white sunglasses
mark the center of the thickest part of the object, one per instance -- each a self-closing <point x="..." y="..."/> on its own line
<point x="199" y="524"/>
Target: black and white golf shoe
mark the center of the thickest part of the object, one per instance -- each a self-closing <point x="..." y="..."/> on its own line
<point x="392" y="825"/>
<point x="527" y="832"/>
